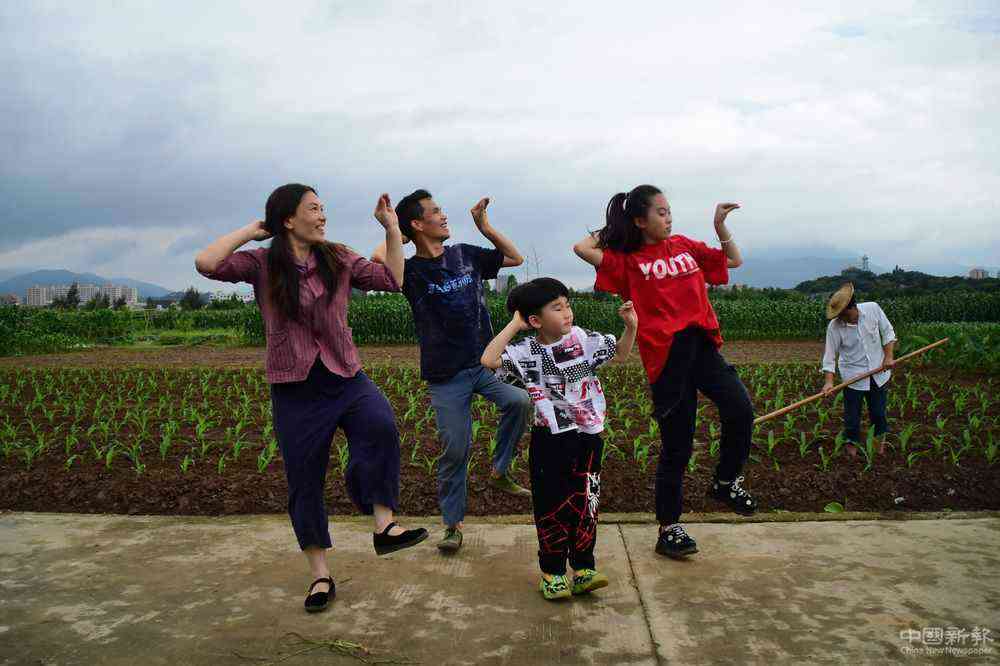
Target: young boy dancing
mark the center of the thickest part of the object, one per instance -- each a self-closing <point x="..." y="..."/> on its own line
<point x="557" y="365"/>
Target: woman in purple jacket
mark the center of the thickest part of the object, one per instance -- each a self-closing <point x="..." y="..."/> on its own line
<point x="302" y="283"/>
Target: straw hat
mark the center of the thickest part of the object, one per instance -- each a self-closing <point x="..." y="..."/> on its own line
<point x="839" y="300"/>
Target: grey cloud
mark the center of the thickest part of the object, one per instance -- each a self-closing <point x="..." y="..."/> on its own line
<point x="105" y="127"/>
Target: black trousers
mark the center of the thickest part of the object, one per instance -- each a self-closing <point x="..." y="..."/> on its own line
<point x="876" y="397"/>
<point x="565" y="494"/>
<point x="695" y="364"/>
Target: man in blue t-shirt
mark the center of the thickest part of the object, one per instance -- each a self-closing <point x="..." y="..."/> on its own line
<point x="444" y="285"/>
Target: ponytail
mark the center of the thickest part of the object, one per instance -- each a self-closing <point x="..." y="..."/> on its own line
<point x="619" y="232"/>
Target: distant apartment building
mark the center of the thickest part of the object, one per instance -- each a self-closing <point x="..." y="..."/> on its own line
<point x="39" y="296"/>
<point x="117" y="291"/>
<point x="9" y="299"/>
<point x="978" y="274"/>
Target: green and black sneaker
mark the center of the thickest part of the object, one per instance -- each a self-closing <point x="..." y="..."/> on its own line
<point x="588" y="580"/>
<point x="554" y="588"/>
<point x="452" y="540"/>
<point x="508" y="485"/>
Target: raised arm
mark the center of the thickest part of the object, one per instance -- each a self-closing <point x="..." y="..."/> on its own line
<point x="491" y="357"/>
<point x="627" y="339"/>
<point x="511" y="257"/>
<point x="378" y="256"/>
<point x="392" y="246"/>
<point x="726" y="236"/>
<point x="587" y="250"/>
<point x="206" y="261"/>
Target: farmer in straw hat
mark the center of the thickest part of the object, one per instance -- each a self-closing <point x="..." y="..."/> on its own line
<point x="859" y="339"/>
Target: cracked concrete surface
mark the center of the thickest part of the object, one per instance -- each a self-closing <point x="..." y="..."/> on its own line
<point x="83" y="589"/>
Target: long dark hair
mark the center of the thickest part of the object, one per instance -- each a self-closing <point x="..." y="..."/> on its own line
<point x="283" y="276"/>
<point x="619" y="232"/>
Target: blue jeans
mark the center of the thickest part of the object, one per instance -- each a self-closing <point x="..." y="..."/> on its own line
<point x="876" y="397"/>
<point x="452" y="402"/>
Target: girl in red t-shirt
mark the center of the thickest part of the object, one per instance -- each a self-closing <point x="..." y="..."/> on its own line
<point x="666" y="277"/>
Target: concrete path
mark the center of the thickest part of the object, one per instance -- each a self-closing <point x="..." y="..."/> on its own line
<point x="78" y="589"/>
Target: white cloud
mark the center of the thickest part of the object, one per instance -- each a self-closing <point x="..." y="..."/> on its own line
<point x="870" y="128"/>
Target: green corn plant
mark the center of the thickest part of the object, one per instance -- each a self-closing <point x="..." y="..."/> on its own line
<point x="110" y="453"/>
<point x="186" y="463"/>
<point x="692" y="463"/>
<point x="343" y="456"/>
<point x="955" y="454"/>
<point x="772" y="441"/>
<point x="904" y="437"/>
<point x="868" y="448"/>
<point x="914" y="456"/>
<point x="803" y="445"/>
<point x="71" y="441"/>
<point x="30" y="452"/>
<point x="990" y="451"/>
<point x="838" y="444"/>
<point x="789" y="422"/>
<point x="167" y="430"/>
<point x="824" y="460"/>
<point x="429" y="462"/>
<point x="266" y="455"/>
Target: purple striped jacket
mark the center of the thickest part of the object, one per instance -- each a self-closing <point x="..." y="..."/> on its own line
<point x="292" y="346"/>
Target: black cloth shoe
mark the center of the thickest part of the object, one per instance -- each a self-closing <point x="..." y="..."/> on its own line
<point x="318" y="601"/>
<point x="735" y="495"/>
<point x="674" y="542"/>
<point x="385" y="543"/>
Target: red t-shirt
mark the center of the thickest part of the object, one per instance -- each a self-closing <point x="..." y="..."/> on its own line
<point x="667" y="284"/>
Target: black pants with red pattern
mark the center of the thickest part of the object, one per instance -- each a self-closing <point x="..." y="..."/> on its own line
<point x="565" y="494"/>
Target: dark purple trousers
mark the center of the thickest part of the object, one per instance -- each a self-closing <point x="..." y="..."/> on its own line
<point x="306" y="416"/>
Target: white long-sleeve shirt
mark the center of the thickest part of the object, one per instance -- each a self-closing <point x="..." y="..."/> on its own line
<point x="858" y="348"/>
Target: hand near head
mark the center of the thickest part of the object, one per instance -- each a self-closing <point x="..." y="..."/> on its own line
<point x="518" y="320"/>
<point x="722" y="210"/>
<point x="479" y="215"/>
<point x="258" y="230"/>
<point x="628" y="314"/>
<point x="385" y="214"/>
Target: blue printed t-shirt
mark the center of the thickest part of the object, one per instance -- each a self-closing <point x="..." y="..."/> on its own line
<point x="449" y="307"/>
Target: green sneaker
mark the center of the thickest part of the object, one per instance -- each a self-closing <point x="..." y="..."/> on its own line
<point x="557" y="588"/>
<point x="588" y="580"/>
<point x="452" y="540"/>
<point x="506" y="484"/>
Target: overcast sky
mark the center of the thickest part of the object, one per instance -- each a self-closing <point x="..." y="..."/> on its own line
<point x="134" y="133"/>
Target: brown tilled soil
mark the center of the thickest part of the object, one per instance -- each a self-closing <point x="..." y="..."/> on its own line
<point x="739" y="352"/>
<point x="784" y="481"/>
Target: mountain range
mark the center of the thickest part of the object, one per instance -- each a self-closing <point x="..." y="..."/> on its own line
<point x="20" y="282"/>
<point x="776" y="269"/>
